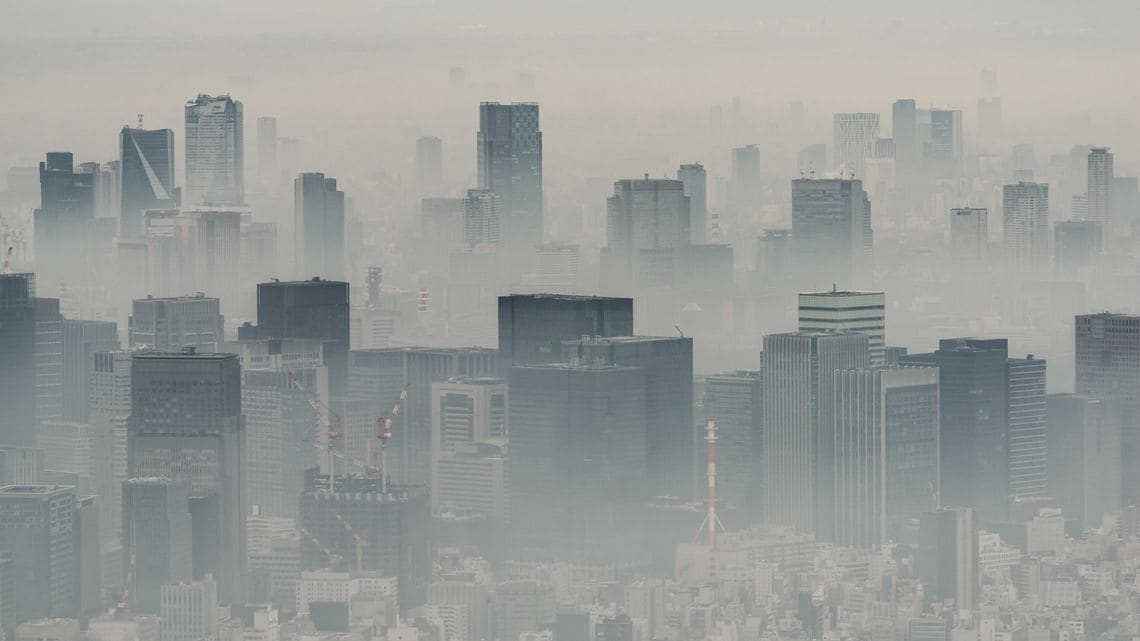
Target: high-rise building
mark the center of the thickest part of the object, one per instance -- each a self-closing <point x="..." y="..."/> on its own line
<point x="849" y="311"/>
<point x="189" y="610"/>
<point x="831" y="229"/>
<point x="206" y="247"/>
<point x="969" y="234"/>
<point x="37" y="525"/>
<point x="532" y="327"/>
<point x="108" y="180"/>
<point x="908" y="145"/>
<point x="1084" y="461"/>
<point x="735" y="399"/>
<point x="947" y="561"/>
<point x="186" y="423"/>
<point x="944" y="152"/>
<point x="666" y="363"/>
<point x="110" y="409"/>
<point x="1108" y="367"/>
<point x="18" y="359"/>
<point x="647" y="221"/>
<point x="469" y="432"/>
<point x="318" y="225"/>
<point x="974" y="422"/>
<point x="481" y="211"/>
<point x="267" y="147"/>
<point x="695" y="184"/>
<point x="215" y="152"/>
<point x="156" y="539"/>
<point x="81" y="339"/>
<point x="67" y="205"/>
<point x="745" y="191"/>
<point x="1027" y="428"/>
<point x="429" y="164"/>
<point x="49" y="360"/>
<point x="146" y="160"/>
<point x="510" y="164"/>
<point x="853" y="136"/>
<point x="797" y="371"/>
<point x="1076" y="245"/>
<point x="170" y="324"/>
<point x="1100" y="187"/>
<point x="1025" y="224"/>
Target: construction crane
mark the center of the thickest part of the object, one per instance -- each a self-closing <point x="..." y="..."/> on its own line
<point x="328" y="422"/>
<point x="358" y="541"/>
<point x="384" y="432"/>
<point x="7" y="269"/>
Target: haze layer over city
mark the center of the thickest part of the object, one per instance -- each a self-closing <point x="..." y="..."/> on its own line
<point x="536" y="321"/>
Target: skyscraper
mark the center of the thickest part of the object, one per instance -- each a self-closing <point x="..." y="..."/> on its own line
<point x="944" y="152"/>
<point x="969" y="234"/>
<point x="429" y="164"/>
<point x="189" y="610"/>
<point x="186" y="423"/>
<point x="837" y="311"/>
<point x="695" y="184"/>
<point x="744" y="188"/>
<point x="1025" y="224"/>
<point x="81" y="339"/>
<point x="215" y="156"/>
<point x="267" y="147"/>
<point x="1027" y="428"/>
<point x="67" y="204"/>
<point x="947" y="559"/>
<point x="49" y="360"/>
<point x="318" y="227"/>
<point x="646" y="222"/>
<point x="37" y="526"/>
<point x="532" y="327"/>
<point x="735" y="399"/>
<point x="170" y="324"/>
<point x="854" y="134"/>
<point x="797" y="372"/>
<point x="469" y="432"/>
<point x="146" y="160"/>
<point x="510" y="164"/>
<point x="481" y="212"/>
<point x="207" y="251"/>
<point x="831" y="229"/>
<point x="1084" y="461"/>
<point x="1100" y="186"/>
<point x="908" y="146"/>
<point x="1108" y="366"/>
<point x="18" y="359"/>
<point x="156" y="539"/>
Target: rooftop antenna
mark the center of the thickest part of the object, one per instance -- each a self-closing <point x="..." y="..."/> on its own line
<point x="711" y="523"/>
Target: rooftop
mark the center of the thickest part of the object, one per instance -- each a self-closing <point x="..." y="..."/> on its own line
<point x="566" y="297"/>
<point x="34" y="490"/>
<point x="315" y="281"/>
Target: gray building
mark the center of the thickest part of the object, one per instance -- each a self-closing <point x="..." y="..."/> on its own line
<point x="744" y="188"/>
<point x="169" y="324"/>
<point x="1100" y="183"/>
<point x="647" y="222"/>
<point x="695" y="181"/>
<point x="429" y="164"/>
<point x="947" y="559"/>
<point x="18" y="358"/>
<point x="831" y="230"/>
<point x="482" y="210"/>
<point x="1076" y="245"/>
<point x="146" y="163"/>
<point x="969" y="234"/>
<point x="735" y="399"/>
<point x="532" y="327"/>
<point x="1025" y="224"/>
<point x="849" y="311"/>
<point x="156" y="539"/>
<point x="318" y="223"/>
<point x="37" y="525"/>
<point x="1084" y="460"/>
<point x="509" y="154"/>
<point x="1027" y="428"/>
<point x="81" y="339"/>
<point x="854" y="134"/>
<point x="215" y="152"/>
<point x="267" y="147"/>
<point x="67" y="207"/>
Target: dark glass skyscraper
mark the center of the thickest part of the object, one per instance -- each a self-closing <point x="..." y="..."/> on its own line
<point x="18" y="359"/>
<point x="146" y="160"/>
<point x="831" y="230"/>
<point x="695" y="180"/>
<point x="532" y="327"/>
<point x="510" y="164"/>
<point x="67" y="204"/>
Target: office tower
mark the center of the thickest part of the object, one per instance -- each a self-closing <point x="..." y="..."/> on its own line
<point x="646" y="222"/>
<point x="974" y="419"/>
<point x="1025" y="224"/>
<point x="775" y="258"/>
<point x="468" y="602"/>
<point x="944" y="152"/>
<point x="853" y="136"/>
<point x="215" y="152"/>
<point x="69" y="448"/>
<point x="315" y="309"/>
<point x="37" y="525"/>
<point x="429" y="164"/>
<point x="146" y="160"/>
<point x="744" y="188"/>
<point x="18" y="358"/>
<point x="694" y="182"/>
<point x="1100" y="186"/>
<point x="49" y="360"/>
<point x="156" y="539"/>
<point x="927" y="629"/>
<point x="1084" y="461"/>
<point x="465" y="410"/>
<point x="812" y="159"/>
<point x="578" y="456"/>
<point x="267" y="147"/>
<point x="532" y="327"/>
<point x="21" y="465"/>
<point x="667" y="366"/>
<point x="510" y="164"/>
<point x="1108" y="366"/>
<point x="186" y="423"/>
<point x="969" y="234"/>
<point x="170" y="324"/>
<point x="88" y="559"/>
<point x="67" y="204"/>
<point x="735" y="399"/>
<point x="831" y="229"/>
<point x="110" y="407"/>
<point x="908" y="145"/>
<point x="481" y="211"/>
<point x="797" y="373"/>
<point x="206" y="244"/>
<point x="189" y="610"/>
<point x="910" y="403"/>
<point x="847" y="311"/>
<point x="388" y="532"/>
<point x="108" y="179"/>
<point x="947" y="562"/>
<point x="1027" y="428"/>
<point x="381" y="374"/>
<point x="523" y="605"/>
<point x="557" y="267"/>
<point x="318" y="227"/>
<point x="1076" y="245"/>
<point x="81" y="339"/>
<point x="258" y="251"/>
<point x="1125" y="202"/>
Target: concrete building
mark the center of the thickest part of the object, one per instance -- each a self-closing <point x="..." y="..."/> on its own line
<point x="157" y="541"/>
<point x="853" y="136"/>
<point x="170" y="324"/>
<point x="1025" y="224"/>
<point x="215" y="152"/>
<point x="146" y="165"/>
<point x="17" y="358"/>
<point x="847" y="311"/>
<point x="735" y="399"/>
<point x="319" y="227"/>
<point x="969" y="234"/>
<point x="695" y="183"/>
<point x="189" y="611"/>
<point x="947" y="561"/>
<point x="647" y="222"/>
<point x="831" y="230"/>
<point x="429" y="164"/>
<point x="532" y="327"/>
<point x="1100" y="183"/>
<point x="509" y="154"/>
<point x="37" y="525"/>
<point x="1084" y="461"/>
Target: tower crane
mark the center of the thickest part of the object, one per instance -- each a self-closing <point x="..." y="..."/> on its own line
<point x="328" y="422"/>
<point x="384" y="432"/>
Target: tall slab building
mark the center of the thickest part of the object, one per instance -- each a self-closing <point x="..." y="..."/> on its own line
<point x="215" y="151"/>
<point x="146" y="163"/>
<point x="509" y="159"/>
<point x="318" y="227"/>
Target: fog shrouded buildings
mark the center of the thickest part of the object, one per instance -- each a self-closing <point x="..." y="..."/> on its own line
<point x="510" y="164"/>
<point x="647" y="222"/>
<point x="969" y="234"/>
<point x="831" y="230"/>
<point x="1025" y="224"/>
<point x="532" y="327"/>
<point x="146" y="160"/>
<point x="1084" y="460"/>
<point x="267" y="147"/>
<point x="429" y="164"/>
<point x="67" y="205"/>
<point x="469" y="437"/>
<point x="215" y="152"/>
<point x="186" y="423"/>
<point x="853" y="136"/>
<point x="157" y="541"/>
<point x="797" y="372"/>
<point x="744" y="188"/>
<point x="37" y="527"/>
<point x="482" y="209"/>
<point x="695" y="181"/>
<point x="207" y="253"/>
<point x="837" y="311"/>
<point x="318" y="227"/>
<point x="81" y="339"/>
<point x="1100" y="187"/>
<point x="735" y="399"/>
<point x="18" y="359"/>
<point x="944" y="152"/>
<point x="947" y="559"/>
<point x="1108" y="366"/>
<point x="908" y="144"/>
<point x="170" y="324"/>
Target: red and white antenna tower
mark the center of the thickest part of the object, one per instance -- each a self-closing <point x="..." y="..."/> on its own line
<point x="711" y="522"/>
